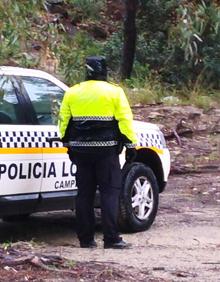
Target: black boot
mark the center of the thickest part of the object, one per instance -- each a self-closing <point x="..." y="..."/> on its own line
<point x="117" y="245"/>
<point x="90" y="245"/>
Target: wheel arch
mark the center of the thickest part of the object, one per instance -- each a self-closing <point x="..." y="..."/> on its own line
<point x="150" y="158"/>
<point x="127" y="219"/>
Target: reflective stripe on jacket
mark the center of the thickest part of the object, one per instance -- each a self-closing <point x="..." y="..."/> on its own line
<point x="92" y="105"/>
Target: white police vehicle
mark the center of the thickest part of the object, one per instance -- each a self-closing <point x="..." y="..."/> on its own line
<point x="36" y="175"/>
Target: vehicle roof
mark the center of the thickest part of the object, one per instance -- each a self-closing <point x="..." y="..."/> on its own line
<point x="9" y="70"/>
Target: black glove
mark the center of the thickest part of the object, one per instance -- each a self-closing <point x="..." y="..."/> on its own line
<point x="120" y="147"/>
<point x="70" y="152"/>
<point x="130" y="155"/>
<point x="63" y="140"/>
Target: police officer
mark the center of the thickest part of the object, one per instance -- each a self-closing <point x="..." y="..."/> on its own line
<point x="96" y="121"/>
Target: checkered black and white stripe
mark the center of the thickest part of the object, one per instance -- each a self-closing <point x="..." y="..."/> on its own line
<point x="93" y="143"/>
<point x="94" y="118"/>
<point x="27" y="139"/>
<point x="37" y="139"/>
<point x="150" y="140"/>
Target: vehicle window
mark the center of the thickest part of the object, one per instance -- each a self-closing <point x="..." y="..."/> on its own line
<point x="9" y="107"/>
<point x="45" y="97"/>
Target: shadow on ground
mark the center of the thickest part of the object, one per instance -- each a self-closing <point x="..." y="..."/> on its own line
<point x="51" y="228"/>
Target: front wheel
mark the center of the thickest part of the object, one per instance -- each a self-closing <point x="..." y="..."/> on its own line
<point x="139" y="198"/>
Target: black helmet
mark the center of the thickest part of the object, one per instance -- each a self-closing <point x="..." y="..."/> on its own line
<point x="96" y="68"/>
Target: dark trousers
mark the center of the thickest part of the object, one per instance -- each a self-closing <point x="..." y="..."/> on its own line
<point x="103" y="172"/>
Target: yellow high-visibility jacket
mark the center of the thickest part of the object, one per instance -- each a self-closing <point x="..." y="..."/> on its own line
<point x="100" y="102"/>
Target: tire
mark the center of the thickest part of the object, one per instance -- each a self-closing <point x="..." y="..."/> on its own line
<point x="138" y="208"/>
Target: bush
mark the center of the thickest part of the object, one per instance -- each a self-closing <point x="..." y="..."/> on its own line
<point x="72" y="54"/>
<point x="87" y="8"/>
<point x="24" y="20"/>
<point x="112" y="49"/>
<point x="180" y="40"/>
<point x="198" y="35"/>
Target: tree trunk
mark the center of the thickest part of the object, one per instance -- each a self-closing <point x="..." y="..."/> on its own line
<point x="130" y="35"/>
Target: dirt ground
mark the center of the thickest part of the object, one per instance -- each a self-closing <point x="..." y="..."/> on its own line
<point x="183" y="243"/>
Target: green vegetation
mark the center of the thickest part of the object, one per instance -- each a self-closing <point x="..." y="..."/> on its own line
<point x="177" y="56"/>
<point x="72" y="62"/>
<point x="23" y="25"/>
<point x="88" y="9"/>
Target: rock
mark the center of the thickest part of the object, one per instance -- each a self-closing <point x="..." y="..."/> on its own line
<point x="194" y="115"/>
<point x="98" y="32"/>
<point x="154" y="115"/>
<point x="171" y="100"/>
<point x="56" y="7"/>
<point x="54" y="1"/>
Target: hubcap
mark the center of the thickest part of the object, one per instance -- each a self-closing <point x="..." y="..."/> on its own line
<point x="142" y="198"/>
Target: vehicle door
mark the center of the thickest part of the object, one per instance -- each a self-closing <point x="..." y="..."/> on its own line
<point x="58" y="173"/>
<point x="20" y="157"/>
